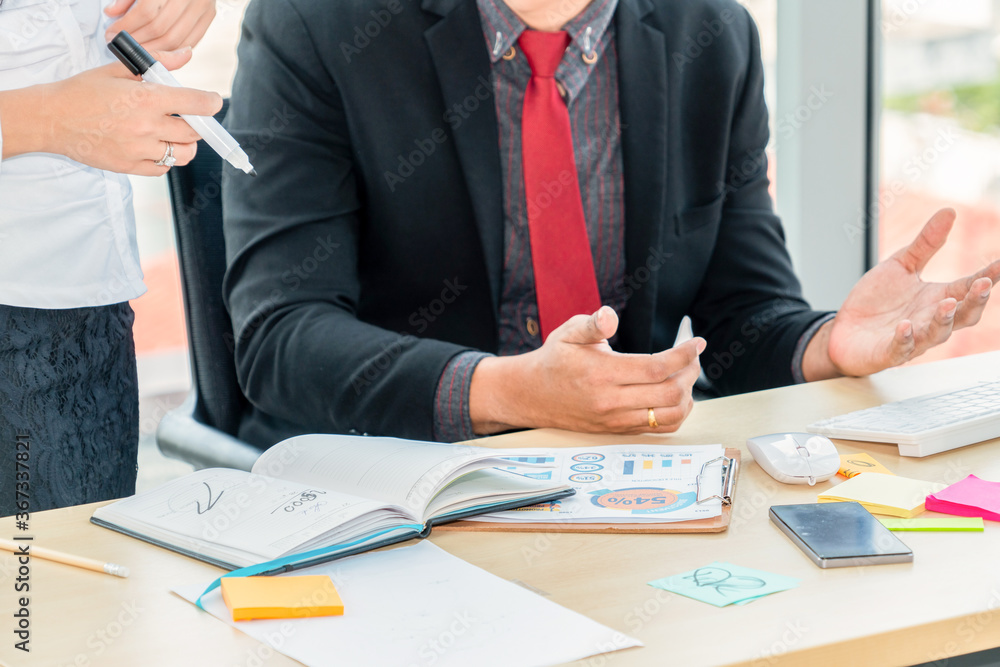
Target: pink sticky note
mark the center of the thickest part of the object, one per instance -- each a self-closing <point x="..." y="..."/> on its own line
<point x="970" y="497"/>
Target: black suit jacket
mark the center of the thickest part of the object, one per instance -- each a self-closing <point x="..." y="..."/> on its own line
<point x="369" y="251"/>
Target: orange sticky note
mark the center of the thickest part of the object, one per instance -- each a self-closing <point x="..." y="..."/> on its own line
<point x="281" y="597"/>
<point x="855" y="464"/>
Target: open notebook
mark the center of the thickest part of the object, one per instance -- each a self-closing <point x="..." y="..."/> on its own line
<point x="344" y="494"/>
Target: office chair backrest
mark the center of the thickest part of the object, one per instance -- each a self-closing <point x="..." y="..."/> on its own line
<point x="196" y="200"/>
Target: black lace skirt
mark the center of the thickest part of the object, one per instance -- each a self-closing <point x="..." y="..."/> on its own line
<point x="69" y="399"/>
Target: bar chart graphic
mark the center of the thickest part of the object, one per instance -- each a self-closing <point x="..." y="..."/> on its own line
<point x="542" y="474"/>
<point x="530" y="459"/>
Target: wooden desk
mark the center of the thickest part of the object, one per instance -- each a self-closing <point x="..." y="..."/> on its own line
<point x="944" y="603"/>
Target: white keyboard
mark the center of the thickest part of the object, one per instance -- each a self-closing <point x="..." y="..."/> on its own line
<point x="924" y="425"/>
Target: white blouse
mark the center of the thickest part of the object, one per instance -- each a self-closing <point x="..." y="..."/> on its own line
<point x="67" y="231"/>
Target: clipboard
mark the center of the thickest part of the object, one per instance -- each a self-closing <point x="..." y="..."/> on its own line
<point x="730" y="471"/>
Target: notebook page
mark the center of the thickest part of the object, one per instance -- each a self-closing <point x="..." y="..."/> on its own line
<point x="223" y="511"/>
<point x="494" y="485"/>
<point x="403" y="472"/>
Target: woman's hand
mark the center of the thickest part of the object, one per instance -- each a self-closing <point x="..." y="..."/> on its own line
<point x="106" y="118"/>
<point x="161" y="24"/>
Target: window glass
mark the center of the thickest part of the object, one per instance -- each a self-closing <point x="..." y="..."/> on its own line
<point x="940" y="140"/>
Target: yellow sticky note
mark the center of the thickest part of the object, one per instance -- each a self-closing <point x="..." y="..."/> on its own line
<point x="855" y="464"/>
<point x="647" y="465"/>
<point x="883" y="494"/>
<point x="281" y="597"/>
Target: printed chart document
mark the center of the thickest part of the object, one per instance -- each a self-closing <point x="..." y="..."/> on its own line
<point x="420" y="605"/>
<point x="345" y="493"/>
<point x="619" y="483"/>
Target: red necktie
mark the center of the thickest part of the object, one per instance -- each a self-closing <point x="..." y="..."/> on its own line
<point x="565" y="283"/>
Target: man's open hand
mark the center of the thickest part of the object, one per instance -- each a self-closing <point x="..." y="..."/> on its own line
<point x="892" y="316"/>
<point x="575" y="381"/>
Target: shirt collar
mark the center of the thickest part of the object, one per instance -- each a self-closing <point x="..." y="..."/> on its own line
<point x="502" y="27"/>
<point x="589" y="27"/>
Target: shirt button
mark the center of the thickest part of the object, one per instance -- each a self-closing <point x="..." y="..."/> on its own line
<point x="532" y="326"/>
<point x="563" y="93"/>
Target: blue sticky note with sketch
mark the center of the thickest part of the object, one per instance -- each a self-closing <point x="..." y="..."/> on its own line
<point x="724" y="584"/>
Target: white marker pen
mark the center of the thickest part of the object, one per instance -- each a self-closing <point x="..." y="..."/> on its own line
<point x="138" y="61"/>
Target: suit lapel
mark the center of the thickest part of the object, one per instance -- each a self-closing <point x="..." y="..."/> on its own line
<point x="643" y="99"/>
<point x="458" y="50"/>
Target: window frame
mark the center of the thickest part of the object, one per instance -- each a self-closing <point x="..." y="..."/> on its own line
<point x="826" y="127"/>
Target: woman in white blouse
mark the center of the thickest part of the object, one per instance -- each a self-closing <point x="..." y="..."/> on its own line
<point x="73" y="121"/>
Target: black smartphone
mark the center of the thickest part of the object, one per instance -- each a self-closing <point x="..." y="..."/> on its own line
<point x="839" y="534"/>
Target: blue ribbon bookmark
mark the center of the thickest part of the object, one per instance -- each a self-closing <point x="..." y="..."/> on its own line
<point x="280" y="563"/>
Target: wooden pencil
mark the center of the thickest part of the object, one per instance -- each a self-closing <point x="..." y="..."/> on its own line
<point x="60" y="557"/>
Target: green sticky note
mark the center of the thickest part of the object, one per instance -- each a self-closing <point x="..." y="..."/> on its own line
<point x="949" y="524"/>
<point x="723" y="584"/>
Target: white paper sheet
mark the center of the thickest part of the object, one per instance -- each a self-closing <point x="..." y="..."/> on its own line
<point x="420" y="606"/>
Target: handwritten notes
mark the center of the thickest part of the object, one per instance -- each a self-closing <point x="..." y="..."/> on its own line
<point x="855" y="464"/>
<point x="236" y="517"/>
<point x="724" y="584"/>
<point x="970" y="497"/>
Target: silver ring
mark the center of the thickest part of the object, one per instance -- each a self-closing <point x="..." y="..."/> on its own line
<point x="168" y="160"/>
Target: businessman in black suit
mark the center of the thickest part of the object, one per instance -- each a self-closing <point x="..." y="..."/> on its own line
<point x="409" y="261"/>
